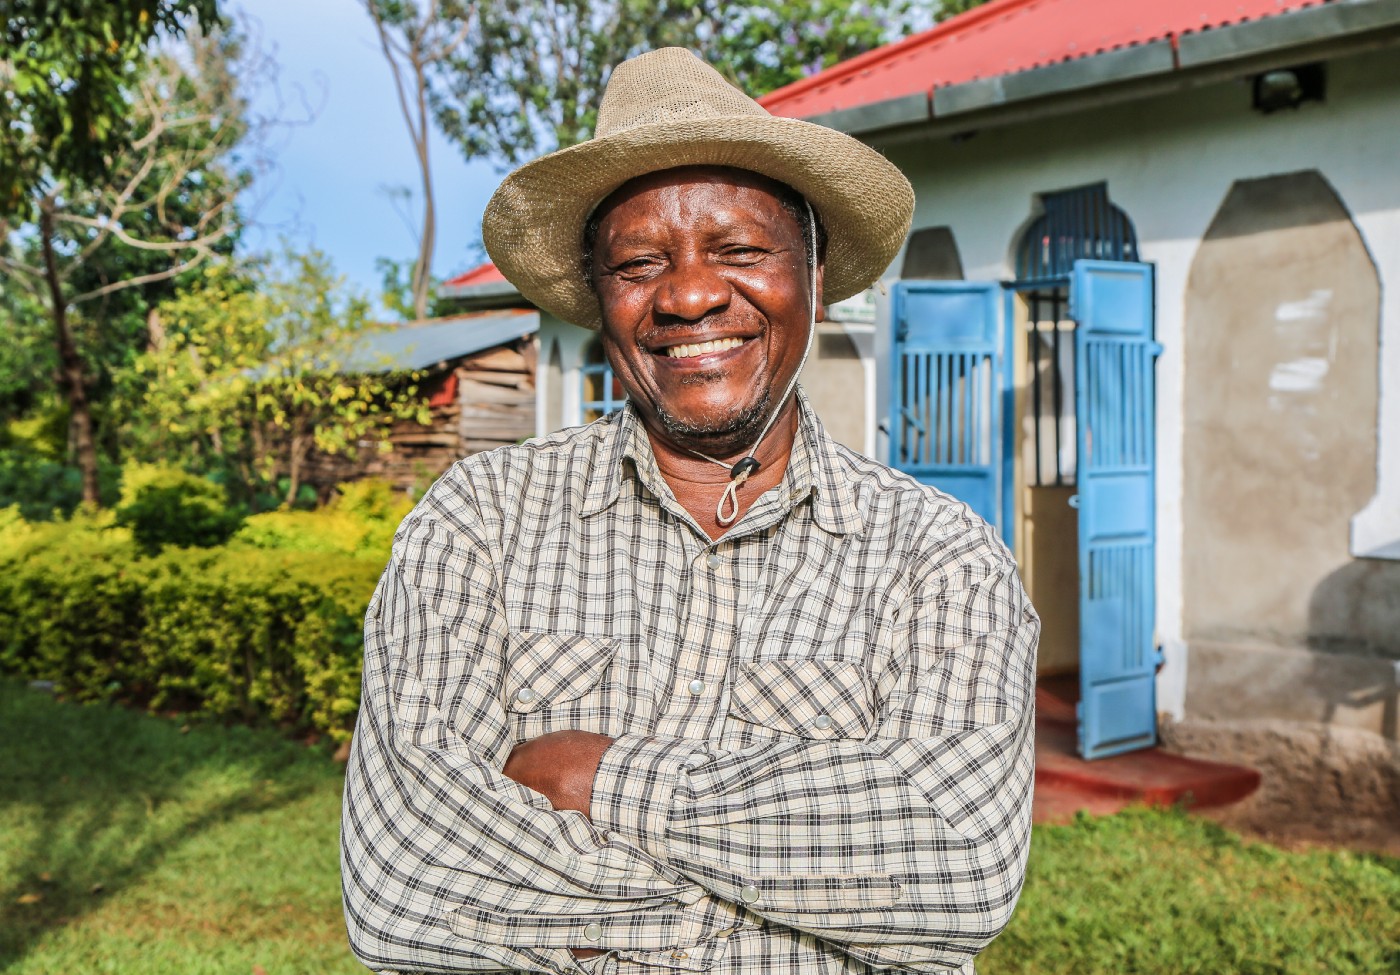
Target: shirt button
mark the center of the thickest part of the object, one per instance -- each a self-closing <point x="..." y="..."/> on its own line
<point x="593" y="931"/>
<point x="696" y="687"/>
<point x="714" y="561"/>
<point x="748" y="894"/>
<point x="526" y="695"/>
<point x="822" y="721"/>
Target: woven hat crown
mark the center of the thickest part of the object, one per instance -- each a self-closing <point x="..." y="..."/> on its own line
<point x="666" y="109"/>
<point x="668" y="85"/>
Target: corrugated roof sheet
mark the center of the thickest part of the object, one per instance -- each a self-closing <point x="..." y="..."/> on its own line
<point x="422" y="345"/>
<point x="1005" y="37"/>
<point x="481" y="274"/>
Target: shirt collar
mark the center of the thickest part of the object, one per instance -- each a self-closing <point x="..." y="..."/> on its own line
<point x="814" y="470"/>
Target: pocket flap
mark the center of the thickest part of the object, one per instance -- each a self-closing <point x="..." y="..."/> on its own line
<point x="812" y="698"/>
<point x="543" y="669"/>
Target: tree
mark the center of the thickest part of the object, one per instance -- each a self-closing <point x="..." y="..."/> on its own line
<point x="255" y="372"/>
<point x="66" y="70"/>
<point x="415" y="36"/>
<point x="951" y="8"/>
<point x="161" y="203"/>
<point x="763" y="47"/>
<point x="531" y="79"/>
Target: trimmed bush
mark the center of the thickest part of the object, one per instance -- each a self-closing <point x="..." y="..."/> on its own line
<point x="163" y="505"/>
<point x="360" y="520"/>
<point x="232" y="634"/>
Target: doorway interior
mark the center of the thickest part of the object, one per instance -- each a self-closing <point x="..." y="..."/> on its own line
<point x="1032" y="401"/>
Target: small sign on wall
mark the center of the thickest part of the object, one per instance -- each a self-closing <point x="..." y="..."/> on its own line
<point x="859" y="309"/>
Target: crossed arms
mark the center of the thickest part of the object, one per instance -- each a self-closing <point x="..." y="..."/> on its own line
<point x="902" y="849"/>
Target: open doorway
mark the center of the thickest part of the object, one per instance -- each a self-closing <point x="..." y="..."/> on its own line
<point x="1032" y="402"/>
<point x="1045" y="520"/>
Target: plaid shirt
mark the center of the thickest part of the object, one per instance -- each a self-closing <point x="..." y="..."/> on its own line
<point x="823" y="722"/>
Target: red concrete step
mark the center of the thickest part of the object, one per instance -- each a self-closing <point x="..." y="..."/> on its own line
<point x="1066" y="783"/>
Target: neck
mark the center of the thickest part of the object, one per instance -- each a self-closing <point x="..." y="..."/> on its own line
<point x="698" y="483"/>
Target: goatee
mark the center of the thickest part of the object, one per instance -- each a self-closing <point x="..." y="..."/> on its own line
<point x="719" y="435"/>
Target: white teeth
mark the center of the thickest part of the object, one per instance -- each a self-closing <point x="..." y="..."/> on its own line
<point x="702" y="348"/>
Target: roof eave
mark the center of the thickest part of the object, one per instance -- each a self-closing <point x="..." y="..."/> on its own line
<point x="501" y="291"/>
<point x="1133" y="72"/>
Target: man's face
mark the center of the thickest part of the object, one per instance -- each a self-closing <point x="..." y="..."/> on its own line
<point x="702" y="277"/>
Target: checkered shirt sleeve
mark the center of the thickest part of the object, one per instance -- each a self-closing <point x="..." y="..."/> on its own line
<point x="822" y="721"/>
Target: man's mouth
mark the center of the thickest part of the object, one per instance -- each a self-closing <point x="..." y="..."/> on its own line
<point x="693" y="349"/>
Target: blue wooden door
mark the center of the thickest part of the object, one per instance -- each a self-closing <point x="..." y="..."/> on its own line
<point x="947" y="390"/>
<point x="1111" y="304"/>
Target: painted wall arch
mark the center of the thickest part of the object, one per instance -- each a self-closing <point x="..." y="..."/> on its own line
<point x="1281" y="341"/>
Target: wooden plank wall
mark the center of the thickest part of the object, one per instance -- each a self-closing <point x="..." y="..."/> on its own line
<point x="494" y="406"/>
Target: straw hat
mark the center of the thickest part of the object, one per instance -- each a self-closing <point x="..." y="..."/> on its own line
<point x="667" y="108"/>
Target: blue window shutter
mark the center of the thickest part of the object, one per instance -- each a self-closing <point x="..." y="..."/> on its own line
<point x="947" y="390"/>
<point x="1112" y="306"/>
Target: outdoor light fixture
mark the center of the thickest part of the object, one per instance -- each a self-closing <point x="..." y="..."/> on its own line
<point x="1289" y="87"/>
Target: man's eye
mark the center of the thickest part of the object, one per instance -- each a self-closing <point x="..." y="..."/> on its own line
<point x="637" y="265"/>
<point x="744" y="252"/>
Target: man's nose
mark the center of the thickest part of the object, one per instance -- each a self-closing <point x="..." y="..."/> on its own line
<point x="691" y="290"/>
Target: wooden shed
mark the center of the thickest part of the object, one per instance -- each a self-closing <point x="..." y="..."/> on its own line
<point x="478" y="377"/>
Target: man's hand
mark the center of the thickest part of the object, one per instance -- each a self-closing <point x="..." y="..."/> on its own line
<point x="560" y="765"/>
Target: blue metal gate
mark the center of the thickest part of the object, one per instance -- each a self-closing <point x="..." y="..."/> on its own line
<point x="947" y="390"/>
<point x="1111" y="304"/>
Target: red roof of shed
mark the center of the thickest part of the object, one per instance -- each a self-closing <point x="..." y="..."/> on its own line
<point x="1007" y="36"/>
<point x="481" y="274"/>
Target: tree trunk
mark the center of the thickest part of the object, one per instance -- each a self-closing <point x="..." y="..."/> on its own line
<point x="423" y="269"/>
<point x="71" y="377"/>
<point x="294" y="464"/>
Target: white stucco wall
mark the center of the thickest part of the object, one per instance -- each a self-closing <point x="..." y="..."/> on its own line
<point x="1169" y="162"/>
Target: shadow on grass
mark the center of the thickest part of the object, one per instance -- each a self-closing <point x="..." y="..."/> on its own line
<point x="93" y="798"/>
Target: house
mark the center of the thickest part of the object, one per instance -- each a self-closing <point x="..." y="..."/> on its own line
<point x="1148" y="323"/>
<point x="477" y="374"/>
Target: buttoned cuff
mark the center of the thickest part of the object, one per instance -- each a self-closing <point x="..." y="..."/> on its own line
<point x="635" y="785"/>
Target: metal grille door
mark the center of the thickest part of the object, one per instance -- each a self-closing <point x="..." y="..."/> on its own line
<point x="1111" y="302"/>
<point x="946" y="414"/>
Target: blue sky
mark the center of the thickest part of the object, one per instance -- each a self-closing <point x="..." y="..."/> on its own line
<point x="326" y="189"/>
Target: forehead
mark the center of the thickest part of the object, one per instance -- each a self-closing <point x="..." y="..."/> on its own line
<point x="678" y="192"/>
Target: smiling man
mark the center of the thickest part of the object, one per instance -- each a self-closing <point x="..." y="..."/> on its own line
<point x="692" y="688"/>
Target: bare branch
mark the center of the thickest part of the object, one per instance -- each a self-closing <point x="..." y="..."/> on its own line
<point x="198" y="258"/>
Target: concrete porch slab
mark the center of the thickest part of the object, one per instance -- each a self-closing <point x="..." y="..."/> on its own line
<point x="1066" y="784"/>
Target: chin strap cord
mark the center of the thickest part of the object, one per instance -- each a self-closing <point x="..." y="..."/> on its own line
<point x="728" y="508"/>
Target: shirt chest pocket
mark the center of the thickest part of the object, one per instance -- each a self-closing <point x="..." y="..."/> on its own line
<point x="818" y="699"/>
<point x="555" y="681"/>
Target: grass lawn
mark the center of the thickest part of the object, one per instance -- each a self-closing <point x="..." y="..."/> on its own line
<point x="127" y="846"/>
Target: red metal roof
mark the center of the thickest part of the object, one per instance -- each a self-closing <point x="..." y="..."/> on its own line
<point x="482" y="274"/>
<point x="1007" y="36"/>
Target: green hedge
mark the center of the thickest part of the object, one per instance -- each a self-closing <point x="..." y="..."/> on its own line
<point x="233" y="633"/>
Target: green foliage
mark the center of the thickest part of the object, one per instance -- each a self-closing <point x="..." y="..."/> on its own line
<point x="762" y="47"/>
<point x="87" y="249"/>
<point x="258" y="367"/>
<point x="34" y="471"/>
<point x="532" y="75"/>
<point x="396" y="290"/>
<point x="163" y="505"/>
<point x="235" y="634"/>
<point x="64" y="106"/>
<point x="360" y="520"/>
<point x="951" y="8"/>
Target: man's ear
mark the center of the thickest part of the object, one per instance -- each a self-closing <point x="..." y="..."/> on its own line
<point x="821" y="285"/>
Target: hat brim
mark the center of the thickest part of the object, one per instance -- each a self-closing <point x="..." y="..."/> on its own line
<point x="533" y="226"/>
